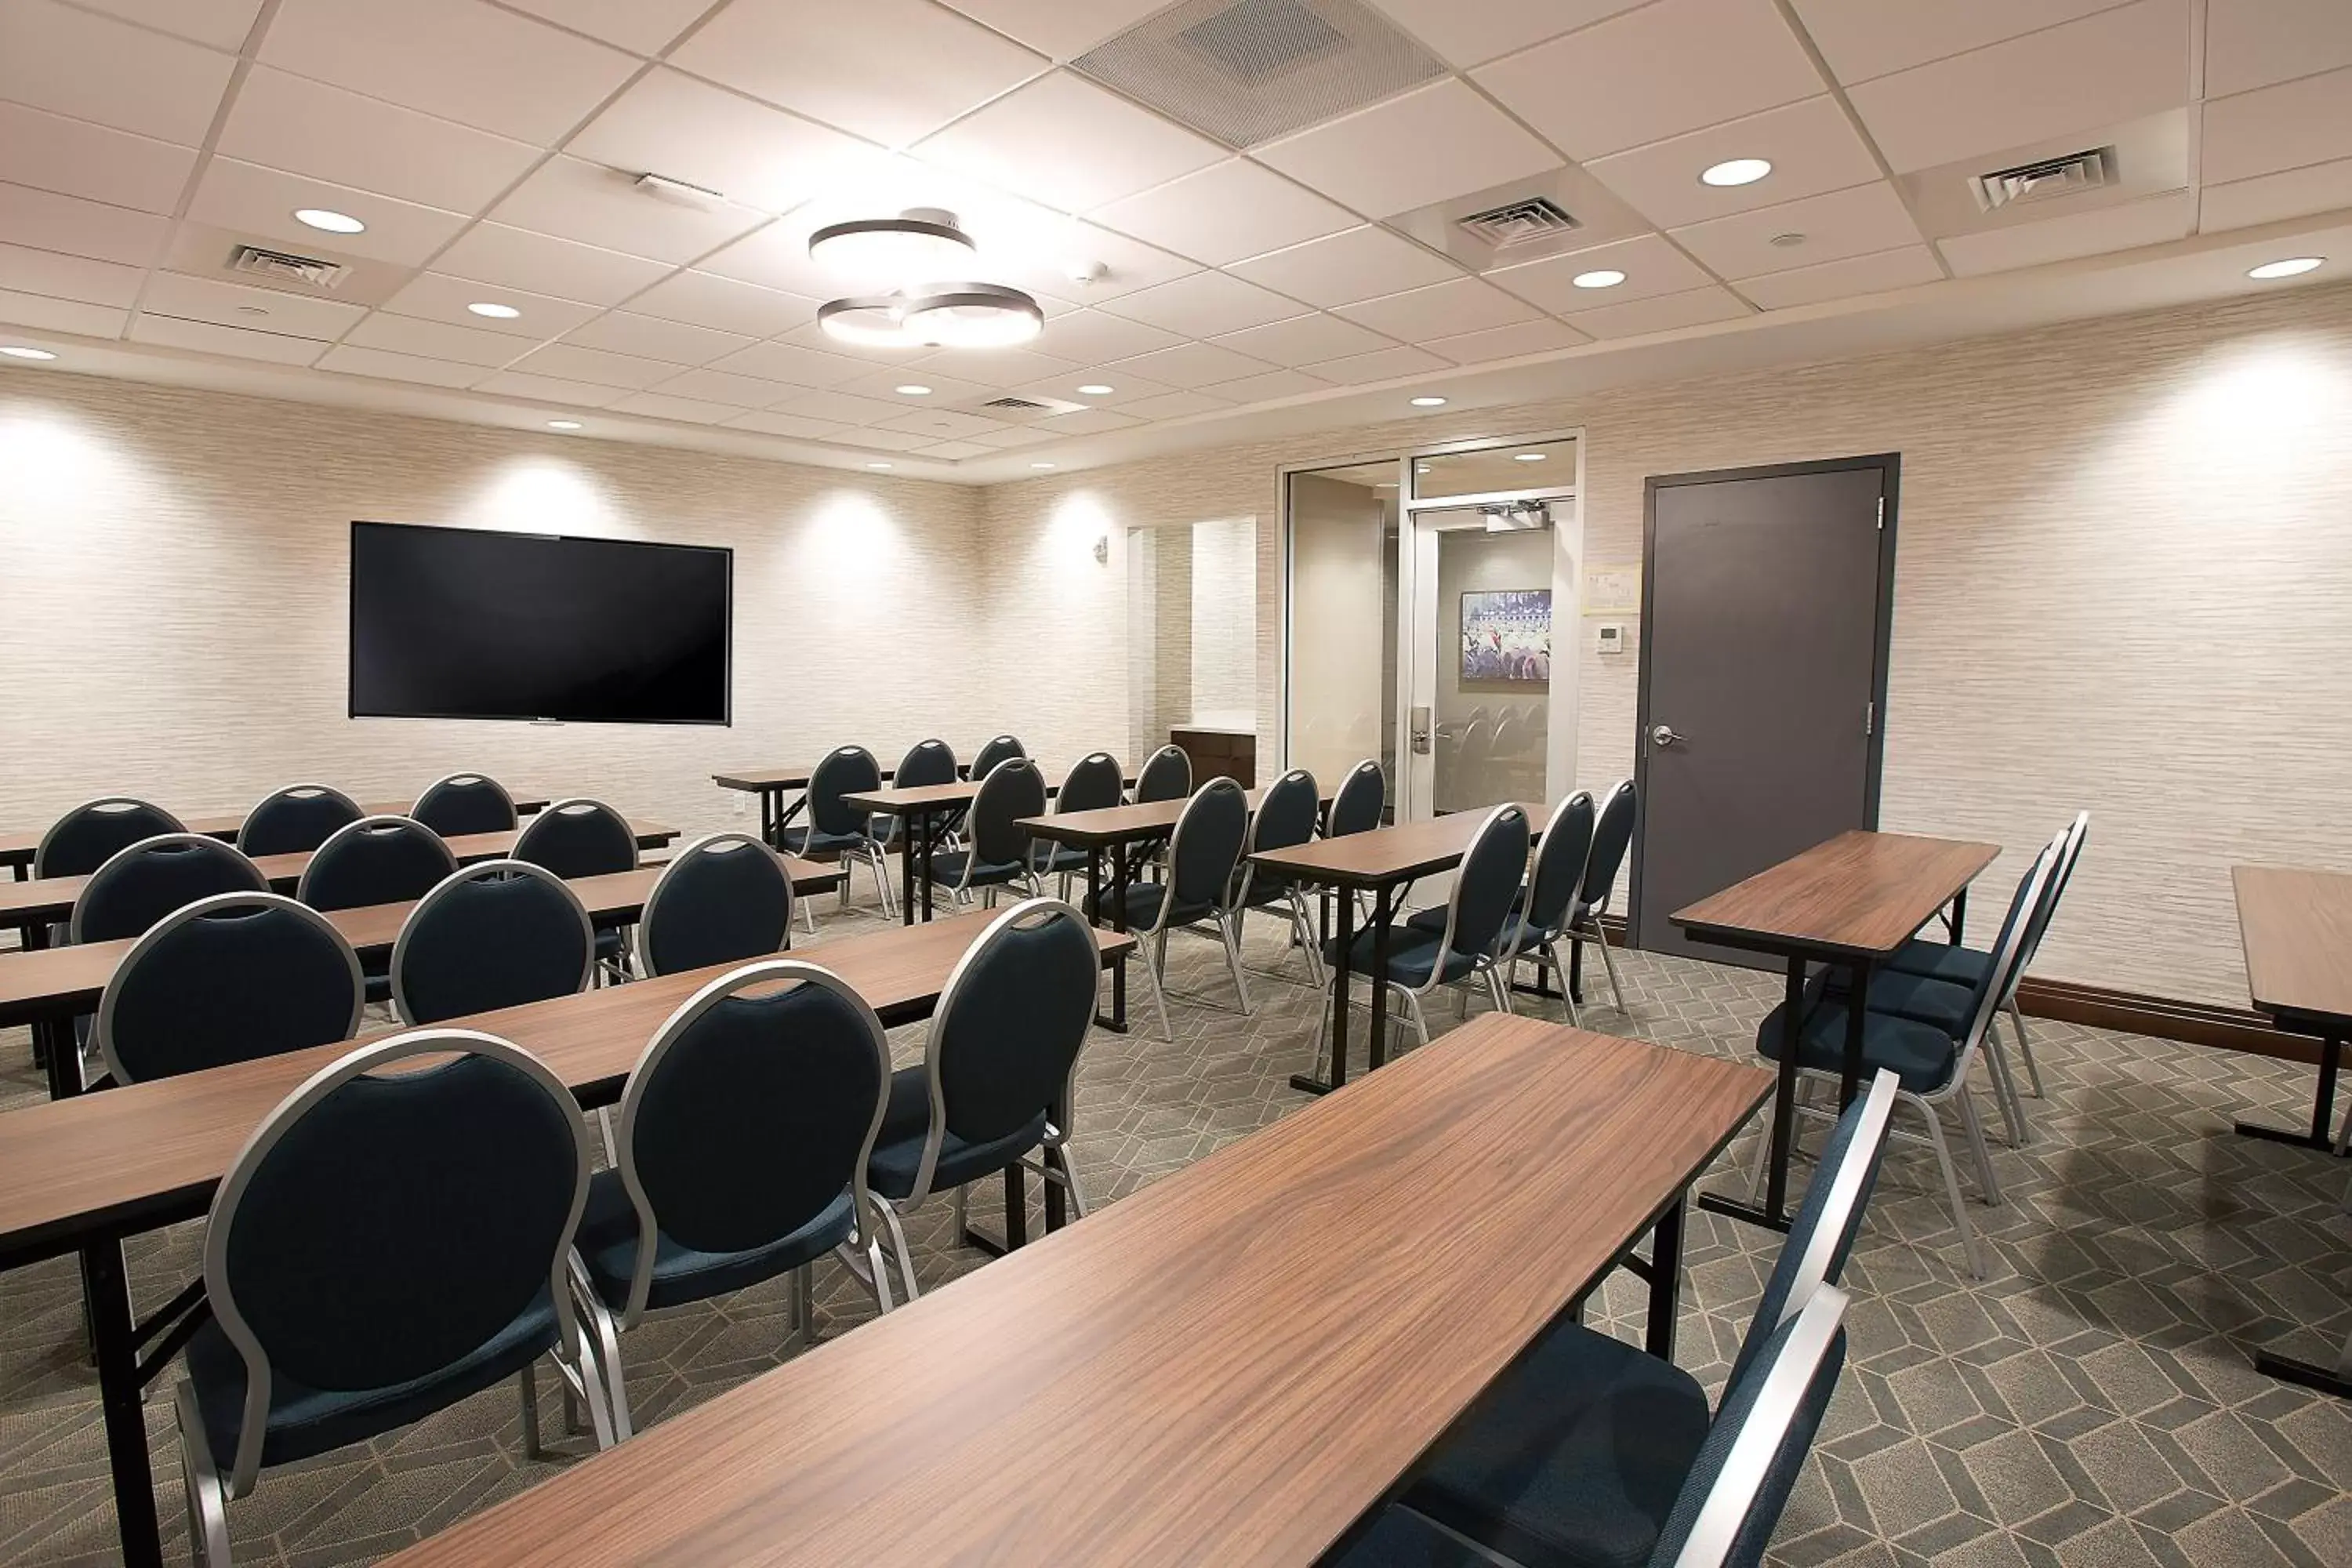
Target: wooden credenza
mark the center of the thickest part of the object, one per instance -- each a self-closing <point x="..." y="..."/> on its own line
<point x="1219" y="754"/>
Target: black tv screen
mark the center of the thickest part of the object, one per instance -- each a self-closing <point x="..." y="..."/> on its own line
<point x="456" y="623"/>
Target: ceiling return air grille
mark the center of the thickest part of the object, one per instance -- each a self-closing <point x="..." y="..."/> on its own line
<point x="1528" y="222"/>
<point x="2046" y="179"/>
<point x="1246" y="71"/>
<point x="1016" y="405"/>
<point x="285" y="267"/>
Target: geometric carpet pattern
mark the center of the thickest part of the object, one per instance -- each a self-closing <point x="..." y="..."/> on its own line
<point x="2089" y="1404"/>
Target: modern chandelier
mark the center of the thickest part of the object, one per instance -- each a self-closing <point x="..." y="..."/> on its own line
<point x="907" y="256"/>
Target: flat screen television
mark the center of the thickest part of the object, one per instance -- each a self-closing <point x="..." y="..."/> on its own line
<point x="459" y="622"/>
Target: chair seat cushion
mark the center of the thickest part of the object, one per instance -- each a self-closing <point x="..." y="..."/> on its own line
<point x="906" y="1121"/>
<point x="611" y="945"/>
<point x="948" y="866"/>
<point x="1062" y="858"/>
<point x="1401" y="1538"/>
<point x="1142" y="900"/>
<point x="1922" y="1000"/>
<point x="1575" y="1456"/>
<point x="1940" y="961"/>
<point x="304" y="1421"/>
<point x="806" y="840"/>
<point x="607" y="1239"/>
<point x="1412" y="955"/>
<point x="1433" y="921"/>
<point x="1921" y="1056"/>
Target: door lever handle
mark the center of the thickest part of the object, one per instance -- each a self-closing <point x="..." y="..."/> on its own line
<point x="1663" y="736"/>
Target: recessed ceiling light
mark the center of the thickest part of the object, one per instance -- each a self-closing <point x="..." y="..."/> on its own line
<point x="563" y="425"/>
<point x="1420" y="467"/>
<point x="1737" y="172"/>
<point x="14" y="351"/>
<point x="1604" y="278"/>
<point x="495" y="312"/>
<point x="1096" y="389"/>
<point x="332" y="222"/>
<point x="1041" y="465"/>
<point x="912" y="390"/>
<point x="878" y="466"/>
<point x="1526" y="456"/>
<point x="2292" y="267"/>
<point x="1429" y="402"/>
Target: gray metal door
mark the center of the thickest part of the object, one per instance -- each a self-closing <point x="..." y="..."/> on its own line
<point x="1762" y="679"/>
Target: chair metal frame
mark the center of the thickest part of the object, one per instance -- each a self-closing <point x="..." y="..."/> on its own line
<point x="1151" y="941"/>
<point x="199" y="841"/>
<point x="296" y="791"/>
<point x="868" y="849"/>
<point x="1042" y="852"/>
<point x="1591" y="930"/>
<point x="482" y="871"/>
<point x="707" y="844"/>
<point x="579" y="804"/>
<point x="359" y="829"/>
<point x="960" y="891"/>
<point x="1546" y="950"/>
<point x="48" y="838"/>
<point x="514" y="818"/>
<point x="1302" y="928"/>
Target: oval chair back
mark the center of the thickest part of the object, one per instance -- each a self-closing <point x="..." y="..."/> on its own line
<point x="926" y="763"/>
<point x="749" y="1117"/>
<point x="1167" y="775"/>
<point x="297" y="819"/>
<point x="997" y="749"/>
<point x="142" y="882"/>
<point x="1095" y="784"/>
<point x="1612" y="835"/>
<point x="494" y="934"/>
<point x="1284" y="818"/>
<point x="1204" y="850"/>
<point x="1363" y="797"/>
<point x="2070" y="850"/>
<point x="376" y="860"/>
<point x="380" y="1227"/>
<point x="579" y="838"/>
<point x="465" y="803"/>
<point x="1560" y="866"/>
<point x="726" y="899"/>
<point x="845" y="770"/>
<point x="1484" y="884"/>
<point x="2010" y="949"/>
<point x="92" y="833"/>
<point x="1012" y="789"/>
<point x="1005" y="1043"/>
<point x="226" y="979"/>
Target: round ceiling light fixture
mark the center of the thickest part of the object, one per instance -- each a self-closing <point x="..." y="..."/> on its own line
<point x="1601" y="278"/>
<point x="1041" y="465"/>
<point x="2292" y="267"/>
<point x="17" y="351"/>
<point x="913" y="389"/>
<point x="1096" y="389"/>
<point x="496" y="312"/>
<point x="1428" y="401"/>
<point x="1526" y="456"/>
<point x="331" y="221"/>
<point x="872" y="320"/>
<point x="1737" y="172"/>
<point x="563" y="425"/>
<point x="973" y="316"/>
<point x="880" y="467"/>
<point x="921" y="244"/>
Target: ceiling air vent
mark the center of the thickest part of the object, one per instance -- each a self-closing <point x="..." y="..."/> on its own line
<point x="285" y="267"/>
<point x="2046" y="179"/>
<point x="1523" y="222"/>
<point x="1016" y="405"/>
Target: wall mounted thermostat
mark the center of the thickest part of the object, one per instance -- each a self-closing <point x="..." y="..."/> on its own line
<point x="1609" y="637"/>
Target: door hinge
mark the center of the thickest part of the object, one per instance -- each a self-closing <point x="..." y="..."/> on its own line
<point x="1881" y="514"/>
<point x="1870" y="718"/>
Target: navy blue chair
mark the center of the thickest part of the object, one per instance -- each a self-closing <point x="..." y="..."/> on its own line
<point x="142" y="882"/>
<point x="92" y="833"/>
<point x="1361" y="803"/>
<point x="495" y="934"/>
<point x="376" y="860"/>
<point x="227" y="979"/>
<point x="998" y="853"/>
<point x="1167" y="774"/>
<point x="1539" y="915"/>
<point x="724" y="898"/>
<point x="465" y="803"/>
<point x="386" y="1244"/>
<point x="743" y="1139"/>
<point x="1612" y="835"/>
<point x="993" y="1087"/>
<point x="926" y="763"/>
<point x="1095" y="784"/>
<point x="1580" y="1452"/>
<point x="1286" y="818"/>
<point x="997" y="749"/>
<point x="297" y="819"/>
<point x="582" y="838"/>
<point x="834" y="831"/>
<point x="1197" y="892"/>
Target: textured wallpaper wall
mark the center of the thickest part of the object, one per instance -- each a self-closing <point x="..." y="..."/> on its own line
<point x="2124" y="560"/>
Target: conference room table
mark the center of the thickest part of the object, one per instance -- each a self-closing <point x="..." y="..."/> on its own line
<point x="1852" y="902"/>
<point x="770" y="785"/>
<point x="16" y="849"/>
<point x="81" y="1174"/>
<point x="1235" y="1364"/>
<point x="1381" y="861"/>
<point x="920" y="810"/>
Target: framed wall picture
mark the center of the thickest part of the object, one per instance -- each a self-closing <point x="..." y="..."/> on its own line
<point x="1507" y="636"/>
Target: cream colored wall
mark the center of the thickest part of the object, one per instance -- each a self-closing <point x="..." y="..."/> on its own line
<point x="1338" y="610"/>
<point x="173" y="571"/>
<point x="2122" y="569"/>
<point x="1225" y="622"/>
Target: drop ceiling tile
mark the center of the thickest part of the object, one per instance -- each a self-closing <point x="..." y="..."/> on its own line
<point x="552" y="389"/>
<point x="55" y="315"/>
<point x="1664" y="313"/>
<point x="308" y="128"/>
<point x="493" y="253"/>
<point x="272" y="312"/>
<point x="2083" y="75"/>
<point x="881" y="440"/>
<point x="1174" y="406"/>
<point x="207" y="337"/>
<point x="945" y="389"/>
<point x="1650" y="265"/>
<point x="1043" y="252"/>
<point x="1507" y="342"/>
<point x="1440" y="310"/>
<point x="841" y="405"/>
<point x="669" y="123"/>
<point x="1188" y="366"/>
<point x="1125" y="388"/>
<point x="722" y="304"/>
<point x="1854" y="222"/>
<point x="793" y="364"/>
<point x="1811" y="146"/>
<point x="641" y="26"/>
<point x="1093" y="337"/>
<point x="434" y="339"/>
<point x="2150" y="221"/>
<point x="1655" y="72"/>
<point x="1204" y="305"/>
<point x="1087" y="422"/>
<point x="2253" y="43"/>
<point x="437" y="297"/>
<point x="791" y="425"/>
<point x="24" y="270"/>
<point x="939" y="424"/>
<point x="685" y="410"/>
<point x="648" y="337"/>
<point x="1473" y="34"/>
<point x="1846" y="279"/>
<point x="1359" y="264"/>
<point x="952" y="450"/>
<point x="1305" y="339"/>
<point x="573" y="363"/>
<point x="2266" y="198"/>
<point x="1225" y="212"/>
<point x="76" y="158"/>
<point x="1866" y="39"/>
<point x="2290" y="126"/>
<point x="386" y="366"/>
<point x="1381" y="364"/>
<point x="46" y="221"/>
<point x="1058" y="28"/>
<point x="1063" y="141"/>
<point x="720" y="386"/>
<point x="1432" y="144"/>
<point x="221" y="24"/>
<point x="248" y="199"/>
<point x="459" y="60"/>
<point x="574" y="199"/>
<point x="992" y="367"/>
<point x="776" y="256"/>
<point x="891" y="70"/>
<point x="1274" y="384"/>
<point x="1013" y="436"/>
<point x="91" y="68"/>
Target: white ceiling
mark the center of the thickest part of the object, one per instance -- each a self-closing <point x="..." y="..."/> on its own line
<point x="491" y="147"/>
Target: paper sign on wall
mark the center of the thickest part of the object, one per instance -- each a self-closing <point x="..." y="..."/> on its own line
<point x="1612" y="590"/>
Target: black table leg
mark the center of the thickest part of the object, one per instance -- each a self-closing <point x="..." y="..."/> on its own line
<point x="930" y="825"/>
<point x="1857" y="1015"/>
<point x="1576" y="971"/>
<point x="1057" y="1212"/>
<point x="906" y="869"/>
<point x="60" y="1057"/>
<point x="1665" y="1281"/>
<point x="2335" y="1380"/>
<point x="1016" y="1206"/>
<point x="768" y="819"/>
<point x="106" y="1291"/>
<point x="2323" y="1106"/>
<point x="1307" y="1083"/>
<point x="1960" y="921"/>
<point x="1774" y="1215"/>
<point x="1376" y="1047"/>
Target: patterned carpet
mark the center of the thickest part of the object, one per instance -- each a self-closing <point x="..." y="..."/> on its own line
<point x="2091" y="1405"/>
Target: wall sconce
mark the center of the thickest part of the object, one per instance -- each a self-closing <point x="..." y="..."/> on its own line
<point x="1102" y="547"/>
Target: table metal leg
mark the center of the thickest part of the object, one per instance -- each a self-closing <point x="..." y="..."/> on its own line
<point x="106" y="1289"/>
<point x="1774" y="1215"/>
<point x="1016" y="1206"/>
<point x="2335" y="1380"/>
<point x="59" y="1056"/>
<point x="907" y="870"/>
<point x="1576" y="971"/>
<point x="1665" y="1281"/>
<point x="929" y="825"/>
<point x="2323" y="1106"/>
<point x="1376" y="1047"/>
<point x="1960" y="921"/>
<point x="1857" y="1016"/>
<point x="1308" y="1083"/>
